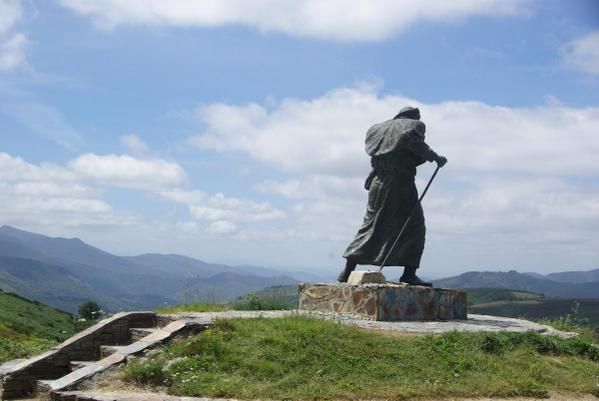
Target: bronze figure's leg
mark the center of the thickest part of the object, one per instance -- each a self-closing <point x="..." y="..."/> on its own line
<point x="350" y="265"/>
<point x="409" y="277"/>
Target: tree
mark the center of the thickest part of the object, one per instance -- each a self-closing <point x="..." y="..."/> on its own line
<point x="89" y="310"/>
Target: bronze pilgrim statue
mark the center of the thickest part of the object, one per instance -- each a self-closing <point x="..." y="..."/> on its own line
<point x="396" y="148"/>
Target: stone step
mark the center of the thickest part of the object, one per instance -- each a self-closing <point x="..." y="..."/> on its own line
<point x="79" y="364"/>
<point x="11" y="364"/>
<point x="18" y="378"/>
<point x="107" y="350"/>
<point x="43" y="386"/>
<point x="139" y="333"/>
<point x="116" y="354"/>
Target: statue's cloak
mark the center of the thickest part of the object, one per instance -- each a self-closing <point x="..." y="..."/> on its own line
<point x="396" y="148"/>
<point x="391" y="135"/>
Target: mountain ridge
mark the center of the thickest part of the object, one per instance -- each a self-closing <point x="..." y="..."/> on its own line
<point x="153" y="279"/>
<point x="520" y="281"/>
<point x="80" y="271"/>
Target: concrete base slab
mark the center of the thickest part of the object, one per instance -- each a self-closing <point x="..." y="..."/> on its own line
<point x="474" y="323"/>
<point x="358" y="277"/>
<point x="384" y="302"/>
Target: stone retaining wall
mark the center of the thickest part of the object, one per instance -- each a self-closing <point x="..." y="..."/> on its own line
<point x="19" y="379"/>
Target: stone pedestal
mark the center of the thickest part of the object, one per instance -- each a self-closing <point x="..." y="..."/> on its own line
<point x="358" y="277"/>
<point x="387" y="302"/>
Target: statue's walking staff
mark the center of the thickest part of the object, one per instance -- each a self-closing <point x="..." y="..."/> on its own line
<point x="409" y="218"/>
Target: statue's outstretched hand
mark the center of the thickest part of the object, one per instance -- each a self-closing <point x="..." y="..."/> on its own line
<point x="441" y="161"/>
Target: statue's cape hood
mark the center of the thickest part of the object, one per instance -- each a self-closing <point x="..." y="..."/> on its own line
<point x="388" y="136"/>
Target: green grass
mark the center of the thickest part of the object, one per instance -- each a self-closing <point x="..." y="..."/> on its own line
<point x="16" y="349"/>
<point x="584" y="311"/>
<point x="485" y="295"/>
<point x="21" y="318"/>
<point x="257" y="301"/>
<point x="30" y="327"/>
<point x="264" y="302"/>
<point x="306" y="359"/>
<point x="282" y="294"/>
<point x="193" y="307"/>
<point x="573" y="324"/>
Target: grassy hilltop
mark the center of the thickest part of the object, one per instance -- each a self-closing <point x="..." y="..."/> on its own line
<point x="29" y="327"/>
<point x="299" y="358"/>
<point x="533" y="306"/>
<point x="305" y="359"/>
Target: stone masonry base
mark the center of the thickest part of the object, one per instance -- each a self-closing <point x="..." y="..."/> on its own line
<point x="385" y="302"/>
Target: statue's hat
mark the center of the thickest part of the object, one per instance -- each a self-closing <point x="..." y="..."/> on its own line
<point x="409" y="112"/>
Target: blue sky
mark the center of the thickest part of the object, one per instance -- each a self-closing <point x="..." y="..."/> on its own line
<point x="232" y="131"/>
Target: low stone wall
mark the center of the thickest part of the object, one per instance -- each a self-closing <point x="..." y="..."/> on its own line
<point x="385" y="302"/>
<point x="120" y="354"/>
<point x="17" y="380"/>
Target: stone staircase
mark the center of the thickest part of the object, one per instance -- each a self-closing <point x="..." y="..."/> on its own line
<point x="106" y="344"/>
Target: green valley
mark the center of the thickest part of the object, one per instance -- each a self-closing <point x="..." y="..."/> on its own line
<point x="29" y="327"/>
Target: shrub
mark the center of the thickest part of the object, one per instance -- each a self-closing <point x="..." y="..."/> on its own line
<point x="256" y="302"/>
<point x="89" y="310"/>
<point x="147" y="372"/>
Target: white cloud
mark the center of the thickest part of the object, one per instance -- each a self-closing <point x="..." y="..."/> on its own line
<point x="184" y="196"/>
<point x="71" y="195"/>
<point x="16" y="169"/>
<point x="325" y="135"/>
<point x="314" y="187"/>
<point x="333" y="19"/>
<point x="63" y="205"/>
<point x="219" y="207"/>
<point x="12" y="44"/>
<point x="134" y="144"/>
<point x="222" y="227"/>
<point x="129" y="172"/>
<point x="50" y="195"/>
<point x="552" y="139"/>
<point x="68" y="200"/>
<point x="516" y="206"/>
<point x="190" y="227"/>
<point x="46" y="188"/>
<point x="10" y="13"/>
<point x="12" y="52"/>
<point x="297" y="135"/>
<point x="583" y="53"/>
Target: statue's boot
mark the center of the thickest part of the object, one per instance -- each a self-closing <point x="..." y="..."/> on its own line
<point x="350" y="265"/>
<point x="409" y="277"/>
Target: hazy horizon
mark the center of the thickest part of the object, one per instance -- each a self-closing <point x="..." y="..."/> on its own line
<point x="390" y="271"/>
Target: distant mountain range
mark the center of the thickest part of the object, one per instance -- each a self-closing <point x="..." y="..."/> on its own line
<point x="574" y="276"/>
<point x="65" y="272"/>
<point x="563" y="285"/>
